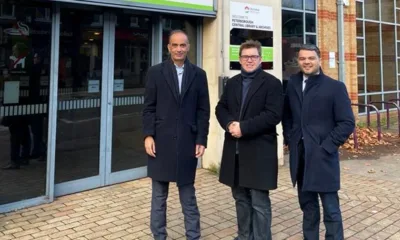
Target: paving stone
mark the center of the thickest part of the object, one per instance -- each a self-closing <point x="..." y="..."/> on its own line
<point x="370" y="210"/>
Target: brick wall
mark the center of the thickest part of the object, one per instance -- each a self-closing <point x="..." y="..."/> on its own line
<point x="327" y="41"/>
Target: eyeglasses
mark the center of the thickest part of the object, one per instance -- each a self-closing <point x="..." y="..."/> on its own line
<point x="252" y="57"/>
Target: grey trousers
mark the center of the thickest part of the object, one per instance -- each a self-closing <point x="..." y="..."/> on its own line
<point x="158" y="215"/>
<point x="253" y="210"/>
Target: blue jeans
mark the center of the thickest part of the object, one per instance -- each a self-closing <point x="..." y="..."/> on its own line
<point x="311" y="215"/>
<point x="158" y="214"/>
<point x="253" y="210"/>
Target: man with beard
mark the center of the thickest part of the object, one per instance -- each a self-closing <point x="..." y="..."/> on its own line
<point x="317" y="119"/>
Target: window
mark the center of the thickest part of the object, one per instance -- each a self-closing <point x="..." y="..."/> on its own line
<point x="299" y="26"/>
<point x="25" y="42"/>
<point x="377" y="50"/>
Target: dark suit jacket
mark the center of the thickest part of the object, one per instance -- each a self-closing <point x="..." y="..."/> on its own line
<point x="324" y="118"/>
<point x="262" y="111"/>
<point x="176" y="121"/>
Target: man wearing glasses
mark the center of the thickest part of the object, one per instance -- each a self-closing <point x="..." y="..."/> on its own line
<point x="249" y="110"/>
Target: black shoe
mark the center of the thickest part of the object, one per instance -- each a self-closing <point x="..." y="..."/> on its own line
<point x="11" y="166"/>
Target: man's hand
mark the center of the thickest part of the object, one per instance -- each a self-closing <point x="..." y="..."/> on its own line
<point x="234" y="130"/>
<point x="150" y="146"/>
<point x="199" y="150"/>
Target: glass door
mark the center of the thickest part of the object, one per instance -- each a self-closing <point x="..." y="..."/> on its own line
<point x="79" y="136"/>
<point x="103" y="60"/>
<point x="132" y="58"/>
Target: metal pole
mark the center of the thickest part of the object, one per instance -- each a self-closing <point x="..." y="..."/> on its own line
<point x="340" y="30"/>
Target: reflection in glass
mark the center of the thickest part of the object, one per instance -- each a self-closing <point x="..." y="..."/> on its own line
<point x="310" y="22"/>
<point x="360" y="28"/>
<point x="361" y="84"/>
<point x="296" y="4"/>
<point x="360" y="66"/>
<point x="371" y="9"/>
<point x="187" y="24"/>
<point x="359" y="9"/>
<point x="132" y="59"/>
<point x="360" y="47"/>
<point x="372" y="52"/>
<point x="24" y="91"/>
<point x="376" y="98"/>
<point x="387" y="11"/>
<point x="310" y="5"/>
<point x="361" y="100"/>
<point x="389" y="57"/>
<point x="292" y="38"/>
<point x="398" y="15"/>
<point x="79" y="87"/>
<point x="389" y="97"/>
<point x="311" y="39"/>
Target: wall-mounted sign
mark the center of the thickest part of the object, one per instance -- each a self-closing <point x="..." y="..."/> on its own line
<point x="118" y="85"/>
<point x="205" y="7"/>
<point x="93" y="86"/>
<point x="250" y="21"/>
<point x="11" y="92"/>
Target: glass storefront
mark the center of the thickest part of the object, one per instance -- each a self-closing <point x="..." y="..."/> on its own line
<point x="25" y="36"/>
<point x="79" y="98"/>
<point x="91" y="63"/>
<point x="131" y="61"/>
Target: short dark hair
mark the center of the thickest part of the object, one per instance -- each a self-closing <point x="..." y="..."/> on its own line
<point x="175" y="32"/>
<point x="250" y="44"/>
<point x="310" y="47"/>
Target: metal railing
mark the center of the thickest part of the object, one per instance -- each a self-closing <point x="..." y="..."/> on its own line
<point x="378" y="121"/>
<point x="387" y="103"/>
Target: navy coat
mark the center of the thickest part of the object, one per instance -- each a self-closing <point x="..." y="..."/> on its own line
<point x="323" y="116"/>
<point x="176" y="121"/>
<point x="258" y="149"/>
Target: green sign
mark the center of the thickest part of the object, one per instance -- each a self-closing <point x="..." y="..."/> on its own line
<point x="267" y="53"/>
<point x="205" y="5"/>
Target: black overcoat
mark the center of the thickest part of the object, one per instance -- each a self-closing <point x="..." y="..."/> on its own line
<point x="324" y="119"/>
<point x="177" y="121"/>
<point x="262" y="111"/>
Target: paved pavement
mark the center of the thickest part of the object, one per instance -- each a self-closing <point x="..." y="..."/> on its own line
<point x="370" y="205"/>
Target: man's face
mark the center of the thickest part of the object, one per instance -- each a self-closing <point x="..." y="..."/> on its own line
<point x="178" y="46"/>
<point x="250" y="59"/>
<point x="309" y="62"/>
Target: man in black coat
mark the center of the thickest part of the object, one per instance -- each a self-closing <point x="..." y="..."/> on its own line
<point x="317" y="119"/>
<point x="175" y="125"/>
<point x="249" y="110"/>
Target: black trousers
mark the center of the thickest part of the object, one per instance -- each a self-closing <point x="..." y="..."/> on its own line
<point x="309" y="204"/>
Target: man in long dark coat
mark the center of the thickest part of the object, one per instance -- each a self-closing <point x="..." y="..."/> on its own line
<point x="317" y="119"/>
<point x="175" y="125"/>
<point x="249" y="110"/>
